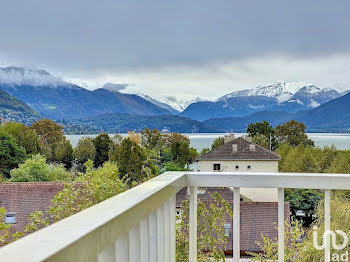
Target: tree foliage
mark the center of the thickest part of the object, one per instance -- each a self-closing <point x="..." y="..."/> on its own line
<point x="102" y="143"/>
<point x="64" y="153"/>
<point x="132" y="161"/>
<point x="218" y="142"/>
<point x="152" y="139"/>
<point x="211" y="232"/>
<point x="178" y="149"/>
<point x="49" y="131"/>
<point x="25" y="137"/>
<point x="293" y="133"/>
<point x="95" y="186"/>
<point x="35" y="169"/>
<point x="10" y="154"/>
<point x="85" y="150"/>
<point x="292" y="245"/>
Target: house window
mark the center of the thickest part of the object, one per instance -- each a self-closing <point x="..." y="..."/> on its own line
<point x="10" y="218"/>
<point x="249" y="167"/>
<point x="217" y="167"/>
<point x="237" y="167"/>
<point x="227" y="229"/>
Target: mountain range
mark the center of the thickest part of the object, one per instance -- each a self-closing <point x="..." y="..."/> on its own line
<point x="281" y="96"/>
<point x="333" y="116"/>
<point x="27" y="91"/>
<point x="12" y="109"/>
<point x="56" y="99"/>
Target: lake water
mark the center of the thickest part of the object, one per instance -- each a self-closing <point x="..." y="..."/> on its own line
<point x="200" y="141"/>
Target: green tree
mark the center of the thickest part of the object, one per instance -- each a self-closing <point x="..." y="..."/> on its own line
<point x="218" y="142"/>
<point x="261" y="140"/>
<point x="64" y="153"/>
<point x="49" y="131"/>
<point x="152" y="139"/>
<point x="293" y="133"/>
<point x="35" y="169"/>
<point x="102" y="143"/>
<point x="113" y="147"/>
<point x="51" y="139"/>
<point x="85" y="150"/>
<point x="204" y="151"/>
<point x="24" y="136"/>
<point x="341" y="163"/>
<point x="263" y="133"/>
<point x="179" y="150"/>
<point x="10" y="154"/>
<point x="303" y="199"/>
<point x="131" y="159"/>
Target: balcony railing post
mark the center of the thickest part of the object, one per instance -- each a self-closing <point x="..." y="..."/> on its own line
<point x="153" y="245"/>
<point x="167" y="230"/>
<point x="280" y="224"/>
<point x="193" y="225"/>
<point x="122" y="249"/>
<point x="173" y="229"/>
<point x="160" y="233"/>
<point x="144" y="240"/>
<point x="236" y="224"/>
<point x="134" y="244"/>
<point x="107" y="255"/>
<point x="327" y="223"/>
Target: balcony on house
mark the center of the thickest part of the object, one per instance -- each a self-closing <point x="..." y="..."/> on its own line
<point x="139" y="224"/>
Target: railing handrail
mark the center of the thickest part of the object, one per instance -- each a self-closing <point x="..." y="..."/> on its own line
<point x="269" y="180"/>
<point x="99" y="226"/>
<point x="88" y="224"/>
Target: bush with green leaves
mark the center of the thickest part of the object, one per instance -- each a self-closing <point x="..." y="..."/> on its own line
<point x="93" y="187"/>
<point x="10" y="154"/>
<point x="36" y="169"/>
<point x="211" y="232"/>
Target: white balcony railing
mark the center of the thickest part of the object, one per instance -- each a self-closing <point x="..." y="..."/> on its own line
<point x="139" y="225"/>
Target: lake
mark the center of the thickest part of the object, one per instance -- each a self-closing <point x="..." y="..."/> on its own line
<point x="200" y="141"/>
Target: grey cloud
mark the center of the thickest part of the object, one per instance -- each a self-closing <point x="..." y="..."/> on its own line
<point x="115" y="87"/>
<point x="133" y="35"/>
<point x="25" y="76"/>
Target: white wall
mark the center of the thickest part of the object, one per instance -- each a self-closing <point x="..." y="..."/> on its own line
<point x="254" y="194"/>
<point x="230" y="165"/>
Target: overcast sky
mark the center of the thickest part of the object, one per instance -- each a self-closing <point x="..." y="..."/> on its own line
<point x="187" y="48"/>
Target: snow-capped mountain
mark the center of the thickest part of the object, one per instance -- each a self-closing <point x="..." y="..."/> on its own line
<point x="312" y="96"/>
<point x="290" y="92"/>
<point x="281" y="96"/>
<point x="54" y="98"/>
<point x="160" y="104"/>
<point x="179" y="104"/>
<point x="282" y="91"/>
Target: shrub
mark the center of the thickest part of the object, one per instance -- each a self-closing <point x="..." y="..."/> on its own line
<point x="35" y="169"/>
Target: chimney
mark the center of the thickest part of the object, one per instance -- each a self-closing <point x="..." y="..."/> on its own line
<point x="234" y="148"/>
<point x="251" y="147"/>
<point x="229" y="138"/>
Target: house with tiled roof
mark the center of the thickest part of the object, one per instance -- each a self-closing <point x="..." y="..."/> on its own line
<point x="239" y="155"/>
<point x="257" y="219"/>
<point x="242" y="155"/>
<point x="22" y="199"/>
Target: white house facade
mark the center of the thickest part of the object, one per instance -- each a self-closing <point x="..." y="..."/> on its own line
<point x="241" y="155"/>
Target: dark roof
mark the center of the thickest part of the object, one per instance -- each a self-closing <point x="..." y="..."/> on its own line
<point x="26" y="198"/>
<point x="256" y="218"/>
<point x="225" y="152"/>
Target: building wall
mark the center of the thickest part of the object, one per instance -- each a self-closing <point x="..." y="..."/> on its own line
<point x="230" y="165"/>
